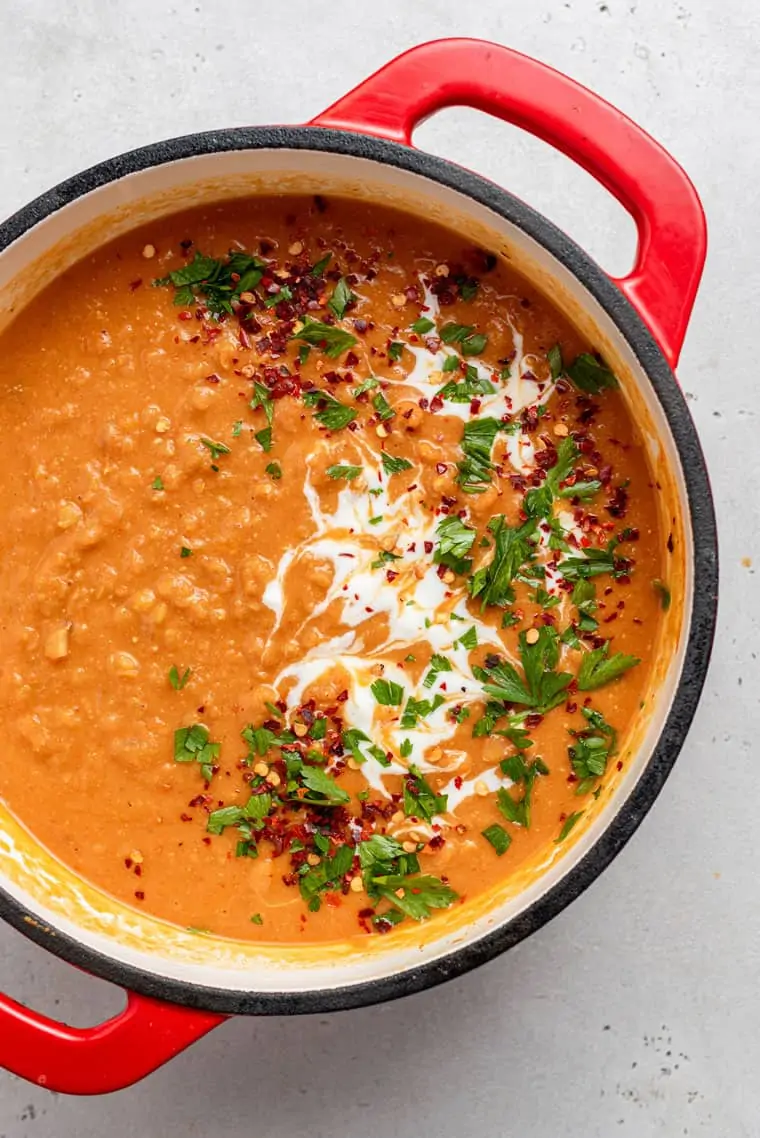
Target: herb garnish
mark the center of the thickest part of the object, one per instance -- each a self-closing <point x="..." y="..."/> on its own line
<point x="512" y="548"/>
<point x="347" y="472"/>
<point x="333" y="341"/>
<point x="591" y="750"/>
<point x="341" y="298"/>
<point x="262" y="398"/>
<point x="335" y="415"/>
<point x="212" y="280"/>
<point x="541" y="687"/>
<point x="471" y="343"/>
<point x="387" y="693"/>
<point x="176" y="680"/>
<point x="191" y="745"/>
<point x="420" y="800"/>
<point x="392" y="464"/>
<point x="477" y="443"/>
<point x="598" y="668"/>
<point x="498" y="837"/>
<point x="455" y="541"/>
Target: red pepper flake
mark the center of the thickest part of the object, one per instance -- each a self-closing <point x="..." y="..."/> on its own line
<point x="441" y="468"/>
<point x="458" y="781"/>
<point x="133" y="285"/>
<point x="186" y="817"/>
<point x="390" y="576"/>
<point x="139" y="894"/>
<point x="213" y="378"/>
<point x="184" y="315"/>
<point x="342" y="697"/>
<point x="436" y="403"/>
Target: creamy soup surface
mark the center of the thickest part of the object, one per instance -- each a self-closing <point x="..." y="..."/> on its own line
<point x="331" y="570"/>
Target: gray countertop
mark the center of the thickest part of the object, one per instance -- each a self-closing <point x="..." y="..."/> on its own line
<point x="636" y="1011"/>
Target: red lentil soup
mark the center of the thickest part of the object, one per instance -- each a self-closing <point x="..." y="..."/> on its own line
<point x="330" y="570"/>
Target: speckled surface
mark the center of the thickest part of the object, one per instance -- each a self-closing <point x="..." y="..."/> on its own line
<point x="636" y="1010"/>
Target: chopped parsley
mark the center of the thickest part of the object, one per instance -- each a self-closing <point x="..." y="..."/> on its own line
<point x="420" y="800"/>
<point x="191" y="745"/>
<point x="334" y="416"/>
<point x="438" y="664"/>
<point x="567" y="826"/>
<point x="663" y="592"/>
<point x="423" y="325"/>
<point x="261" y="398"/>
<point x="476" y="468"/>
<point x="274" y="470"/>
<point x="395" y="348"/>
<point x="417" y="709"/>
<point x="157" y="483"/>
<point x="540" y="687"/>
<point x="341" y="298"/>
<point x="257" y="919"/>
<point x="599" y="668"/>
<point x="387" y="693"/>
<point x="347" y="472"/>
<point x="471" y="343"/>
<point x="176" y="680"/>
<point x="498" y="838"/>
<point x="469" y="639"/>
<point x="590" y="374"/>
<point x="455" y="541"/>
<point x="591" y="750"/>
<point x="331" y="340"/>
<point x="214" y="281"/>
<point x="382" y="406"/>
<point x="392" y="464"/>
<point x="512" y="548"/>
<point x="392" y="875"/>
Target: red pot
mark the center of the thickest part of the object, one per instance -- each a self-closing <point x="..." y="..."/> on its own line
<point x="642" y="317"/>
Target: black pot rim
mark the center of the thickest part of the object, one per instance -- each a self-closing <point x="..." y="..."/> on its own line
<point x="705" y="567"/>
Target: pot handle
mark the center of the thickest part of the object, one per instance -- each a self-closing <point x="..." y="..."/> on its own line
<point x="650" y="184"/>
<point x="97" y="1060"/>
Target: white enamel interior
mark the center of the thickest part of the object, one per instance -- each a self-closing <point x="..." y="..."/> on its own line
<point x="29" y="873"/>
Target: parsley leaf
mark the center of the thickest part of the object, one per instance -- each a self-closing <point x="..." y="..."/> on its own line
<point x="455" y="541"/>
<point x="419" y="709"/>
<point x="512" y="548"/>
<point x="594" y="564"/>
<point x="416" y="897"/>
<point x="191" y="745"/>
<point x="470" y="342"/>
<point x="598" y="668"/>
<point x="438" y="664"/>
<point x="420" y="801"/>
<point x="469" y="639"/>
<point x="387" y="693"/>
<point x="274" y="470"/>
<point x="326" y="876"/>
<point x="395" y="348"/>
<point x="323" y="786"/>
<point x="422" y="326"/>
<point x="347" y="472"/>
<point x="216" y="449"/>
<point x="341" y="298"/>
<point x="477" y="443"/>
<point x="591" y="374"/>
<point x="335" y="415"/>
<point x="554" y="360"/>
<point x="498" y="837"/>
<point x="567" y="826"/>
<point x="542" y="688"/>
<point x="176" y="680"/>
<point x="392" y="464"/>
<point x="333" y="341"/>
<point x="382" y="407"/>
<point x="157" y="483"/>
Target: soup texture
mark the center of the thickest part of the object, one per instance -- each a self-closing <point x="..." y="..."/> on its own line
<point x="331" y="570"/>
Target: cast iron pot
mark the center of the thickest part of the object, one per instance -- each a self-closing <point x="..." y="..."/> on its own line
<point x="179" y="985"/>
